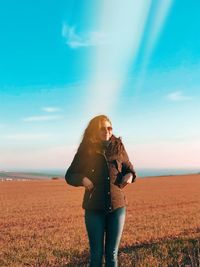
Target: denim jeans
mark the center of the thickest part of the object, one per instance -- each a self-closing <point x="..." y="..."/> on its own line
<point x="100" y="224"/>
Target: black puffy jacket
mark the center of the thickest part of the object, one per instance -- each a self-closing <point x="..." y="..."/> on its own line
<point x="105" y="171"/>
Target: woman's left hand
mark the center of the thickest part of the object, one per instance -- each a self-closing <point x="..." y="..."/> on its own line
<point x="126" y="179"/>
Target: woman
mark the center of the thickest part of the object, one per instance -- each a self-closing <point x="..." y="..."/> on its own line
<point x="102" y="166"/>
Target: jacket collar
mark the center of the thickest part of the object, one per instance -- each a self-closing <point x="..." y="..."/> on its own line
<point x="104" y="147"/>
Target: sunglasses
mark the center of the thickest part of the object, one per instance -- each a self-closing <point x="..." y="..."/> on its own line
<point x="103" y="128"/>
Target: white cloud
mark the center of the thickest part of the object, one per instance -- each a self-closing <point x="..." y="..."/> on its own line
<point x="51" y="109"/>
<point x="75" y="40"/>
<point x="24" y="137"/>
<point x="41" y="118"/>
<point x="178" y="96"/>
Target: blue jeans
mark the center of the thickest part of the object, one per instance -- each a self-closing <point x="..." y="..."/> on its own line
<point x="111" y="224"/>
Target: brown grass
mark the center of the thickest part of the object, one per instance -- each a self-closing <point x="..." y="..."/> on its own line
<point x="42" y="224"/>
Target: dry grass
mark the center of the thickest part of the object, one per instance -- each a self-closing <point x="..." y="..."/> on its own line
<point x="41" y="223"/>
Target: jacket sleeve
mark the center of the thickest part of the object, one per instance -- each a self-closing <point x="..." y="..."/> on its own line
<point x="127" y="166"/>
<point x="75" y="172"/>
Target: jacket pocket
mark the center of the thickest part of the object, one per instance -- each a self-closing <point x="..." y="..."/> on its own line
<point x="89" y="193"/>
<point x="96" y="195"/>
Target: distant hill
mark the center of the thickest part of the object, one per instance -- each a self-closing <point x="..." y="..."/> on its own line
<point x="26" y="176"/>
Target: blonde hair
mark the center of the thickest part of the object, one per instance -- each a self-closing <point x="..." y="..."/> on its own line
<point x="90" y="135"/>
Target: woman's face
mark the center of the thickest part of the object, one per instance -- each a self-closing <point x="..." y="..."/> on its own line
<point x="105" y="131"/>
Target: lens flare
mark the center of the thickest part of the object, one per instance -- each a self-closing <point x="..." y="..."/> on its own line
<point x="123" y="24"/>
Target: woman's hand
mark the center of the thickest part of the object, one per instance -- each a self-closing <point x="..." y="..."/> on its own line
<point x="126" y="179"/>
<point x="87" y="183"/>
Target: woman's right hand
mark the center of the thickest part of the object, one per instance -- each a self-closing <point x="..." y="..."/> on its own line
<point x="87" y="183"/>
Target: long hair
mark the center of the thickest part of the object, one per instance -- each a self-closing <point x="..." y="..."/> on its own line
<point x="90" y="141"/>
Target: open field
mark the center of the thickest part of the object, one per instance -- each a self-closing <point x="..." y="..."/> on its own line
<point x="41" y="223"/>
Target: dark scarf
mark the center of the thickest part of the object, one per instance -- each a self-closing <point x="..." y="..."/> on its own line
<point x="111" y="148"/>
<point x="105" y="144"/>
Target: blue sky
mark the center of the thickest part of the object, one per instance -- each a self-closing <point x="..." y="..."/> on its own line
<point x="63" y="62"/>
